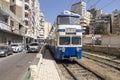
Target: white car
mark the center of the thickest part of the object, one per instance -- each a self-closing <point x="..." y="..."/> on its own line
<point x="17" y="47"/>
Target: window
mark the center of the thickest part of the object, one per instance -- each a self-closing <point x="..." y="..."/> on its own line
<point x="76" y="40"/>
<point x="64" y="40"/>
<point x="69" y="20"/>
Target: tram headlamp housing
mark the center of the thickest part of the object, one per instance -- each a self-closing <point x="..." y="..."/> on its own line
<point x="63" y="49"/>
<point x="60" y="48"/>
<point x="78" y="49"/>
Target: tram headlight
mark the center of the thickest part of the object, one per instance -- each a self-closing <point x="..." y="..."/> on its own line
<point x="78" y="49"/>
<point x="60" y="48"/>
<point x="63" y="49"/>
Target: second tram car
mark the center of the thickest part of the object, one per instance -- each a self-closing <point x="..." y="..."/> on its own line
<point x="65" y="38"/>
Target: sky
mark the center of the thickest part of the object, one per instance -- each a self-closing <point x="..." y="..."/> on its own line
<point x="51" y="8"/>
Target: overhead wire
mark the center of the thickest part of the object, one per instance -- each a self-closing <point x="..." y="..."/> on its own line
<point x="70" y="4"/>
<point x="108" y="4"/>
<point x="93" y="5"/>
<point x="88" y="1"/>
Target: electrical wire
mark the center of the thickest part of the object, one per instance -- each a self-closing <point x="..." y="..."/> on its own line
<point x="69" y="5"/>
<point x="94" y="4"/>
<point x="108" y="4"/>
<point x="88" y="1"/>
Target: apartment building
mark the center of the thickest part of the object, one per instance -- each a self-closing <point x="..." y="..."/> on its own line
<point x="32" y="19"/>
<point x="80" y="8"/>
<point x="42" y="22"/>
<point x="11" y="27"/>
<point x="103" y="20"/>
<point x="116" y="22"/>
<point x="21" y="20"/>
<point x="47" y="28"/>
<point x="95" y="12"/>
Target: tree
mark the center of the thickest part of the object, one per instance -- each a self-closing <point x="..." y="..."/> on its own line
<point x="101" y="28"/>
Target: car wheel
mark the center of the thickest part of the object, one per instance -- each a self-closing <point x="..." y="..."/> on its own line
<point x="6" y="55"/>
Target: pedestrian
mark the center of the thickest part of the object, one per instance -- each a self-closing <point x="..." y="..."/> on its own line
<point x="27" y="46"/>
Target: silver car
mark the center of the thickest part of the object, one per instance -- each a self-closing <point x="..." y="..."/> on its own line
<point x="34" y="47"/>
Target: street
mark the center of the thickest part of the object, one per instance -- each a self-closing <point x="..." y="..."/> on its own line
<point x="14" y="67"/>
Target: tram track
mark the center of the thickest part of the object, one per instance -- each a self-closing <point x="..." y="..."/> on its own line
<point x="104" y="60"/>
<point x="79" y="72"/>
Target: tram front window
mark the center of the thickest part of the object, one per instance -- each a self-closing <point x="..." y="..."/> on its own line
<point x="76" y="40"/>
<point x="69" y="20"/>
<point x="64" y="40"/>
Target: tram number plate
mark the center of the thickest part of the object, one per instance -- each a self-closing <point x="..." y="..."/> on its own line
<point x="70" y="30"/>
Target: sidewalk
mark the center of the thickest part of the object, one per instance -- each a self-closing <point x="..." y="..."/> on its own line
<point x="48" y="69"/>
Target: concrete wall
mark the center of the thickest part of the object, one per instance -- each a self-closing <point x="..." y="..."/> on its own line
<point x="106" y="50"/>
<point x="113" y="41"/>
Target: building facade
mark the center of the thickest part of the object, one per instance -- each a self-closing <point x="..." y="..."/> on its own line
<point x="11" y="27"/>
<point x="85" y="16"/>
<point x="42" y="22"/>
<point x="101" y="24"/>
<point x="47" y="28"/>
<point x="116" y="22"/>
<point x="95" y="12"/>
<point x="19" y="21"/>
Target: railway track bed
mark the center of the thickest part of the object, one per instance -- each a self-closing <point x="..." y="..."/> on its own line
<point x="74" y="71"/>
<point x="90" y="69"/>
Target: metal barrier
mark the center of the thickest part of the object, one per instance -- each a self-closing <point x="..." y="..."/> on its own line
<point x="32" y="72"/>
<point x="27" y="75"/>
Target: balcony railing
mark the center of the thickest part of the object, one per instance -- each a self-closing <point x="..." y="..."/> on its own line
<point x="9" y="13"/>
<point x="4" y="26"/>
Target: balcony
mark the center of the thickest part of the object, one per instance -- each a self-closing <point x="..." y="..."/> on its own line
<point x="27" y="4"/>
<point x="4" y="26"/>
<point x="26" y="19"/>
<point x="27" y="11"/>
<point x="7" y="12"/>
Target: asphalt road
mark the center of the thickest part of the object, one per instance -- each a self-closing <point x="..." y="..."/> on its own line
<point x="14" y="67"/>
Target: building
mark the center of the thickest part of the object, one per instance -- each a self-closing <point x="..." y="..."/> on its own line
<point x="79" y="8"/>
<point x="101" y="24"/>
<point x="85" y="16"/>
<point x="47" y="28"/>
<point x="95" y="12"/>
<point x="19" y="21"/>
<point x="41" y="32"/>
<point x="11" y="27"/>
<point x="32" y="19"/>
<point x="116" y="21"/>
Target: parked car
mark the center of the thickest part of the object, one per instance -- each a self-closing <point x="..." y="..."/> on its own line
<point x="17" y="47"/>
<point x="34" y="47"/>
<point x="5" y="50"/>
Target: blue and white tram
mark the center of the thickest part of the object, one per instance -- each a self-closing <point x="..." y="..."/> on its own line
<point x="66" y="36"/>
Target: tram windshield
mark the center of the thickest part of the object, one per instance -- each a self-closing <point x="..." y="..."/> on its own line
<point x="69" y="20"/>
<point x="76" y="40"/>
<point x="64" y="40"/>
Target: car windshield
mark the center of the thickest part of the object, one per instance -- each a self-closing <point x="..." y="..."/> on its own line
<point x="34" y="44"/>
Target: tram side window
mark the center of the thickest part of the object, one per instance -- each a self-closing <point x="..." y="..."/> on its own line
<point x="64" y="40"/>
<point x="76" y="40"/>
